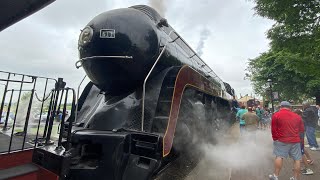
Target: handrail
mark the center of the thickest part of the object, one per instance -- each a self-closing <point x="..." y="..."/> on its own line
<point x="91" y="57"/>
<point x="70" y="120"/>
<point x="27" y="75"/>
<point x="145" y="80"/>
<point x="17" y="81"/>
<point x="77" y="99"/>
<point x="12" y="79"/>
<point x="144" y="86"/>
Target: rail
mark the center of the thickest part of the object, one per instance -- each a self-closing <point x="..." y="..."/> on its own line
<point x="62" y="124"/>
<point x="12" y="81"/>
<point x="78" y="64"/>
<point x="144" y="87"/>
<point x="77" y="99"/>
<point x="14" y="104"/>
<point x="146" y="78"/>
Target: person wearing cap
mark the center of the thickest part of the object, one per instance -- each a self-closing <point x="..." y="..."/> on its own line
<point x="310" y="119"/>
<point x="286" y="127"/>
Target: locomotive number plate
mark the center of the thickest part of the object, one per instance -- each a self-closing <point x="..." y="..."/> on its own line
<point x="107" y="33"/>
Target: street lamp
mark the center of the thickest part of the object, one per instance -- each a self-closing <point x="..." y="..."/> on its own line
<point x="271" y="93"/>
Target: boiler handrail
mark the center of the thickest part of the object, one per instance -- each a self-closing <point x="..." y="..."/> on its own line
<point x="77" y="99"/>
<point x="144" y="86"/>
<point x="145" y="80"/>
<point x="97" y="57"/>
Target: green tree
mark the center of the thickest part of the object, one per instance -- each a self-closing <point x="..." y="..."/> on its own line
<point x="293" y="60"/>
<point x="286" y="81"/>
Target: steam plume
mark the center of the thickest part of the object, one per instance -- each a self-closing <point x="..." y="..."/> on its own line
<point x="159" y="5"/>
<point x="234" y="156"/>
<point x="205" y="33"/>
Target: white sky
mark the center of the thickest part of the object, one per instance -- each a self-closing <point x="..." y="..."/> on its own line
<point x="45" y="43"/>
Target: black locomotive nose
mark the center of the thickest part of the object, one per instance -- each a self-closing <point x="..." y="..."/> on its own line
<point x="117" y="49"/>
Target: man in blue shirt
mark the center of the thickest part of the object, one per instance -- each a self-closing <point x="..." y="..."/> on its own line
<point x="239" y="115"/>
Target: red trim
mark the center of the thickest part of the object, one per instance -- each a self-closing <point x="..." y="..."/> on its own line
<point x="46" y="175"/>
<point x="24" y="157"/>
<point x="15" y="159"/>
<point x="186" y="77"/>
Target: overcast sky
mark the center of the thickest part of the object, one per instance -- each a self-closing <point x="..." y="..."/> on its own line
<point x="226" y="32"/>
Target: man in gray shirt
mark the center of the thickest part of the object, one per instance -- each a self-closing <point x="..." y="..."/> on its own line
<point x="310" y="119"/>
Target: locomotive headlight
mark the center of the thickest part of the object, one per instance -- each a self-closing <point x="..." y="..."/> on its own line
<point x="85" y="36"/>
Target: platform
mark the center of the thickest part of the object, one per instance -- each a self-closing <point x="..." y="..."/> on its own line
<point x="16" y="142"/>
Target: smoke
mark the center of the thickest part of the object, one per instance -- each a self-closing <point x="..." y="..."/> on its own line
<point x="222" y="151"/>
<point x="211" y="148"/>
<point x="205" y="33"/>
<point x="159" y="5"/>
<point x="235" y="156"/>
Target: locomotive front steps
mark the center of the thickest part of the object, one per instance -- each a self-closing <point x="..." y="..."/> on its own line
<point x="25" y="171"/>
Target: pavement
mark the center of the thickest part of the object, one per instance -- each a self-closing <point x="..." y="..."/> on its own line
<point x="246" y="158"/>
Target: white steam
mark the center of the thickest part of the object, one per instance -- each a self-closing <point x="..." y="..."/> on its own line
<point x="234" y="155"/>
<point x="204" y="35"/>
<point x="159" y="5"/>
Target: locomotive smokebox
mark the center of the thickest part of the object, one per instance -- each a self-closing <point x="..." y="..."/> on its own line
<point x="117" y="49"/>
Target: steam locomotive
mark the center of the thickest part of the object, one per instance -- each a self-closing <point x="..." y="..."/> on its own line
<point x="150" y="103"/>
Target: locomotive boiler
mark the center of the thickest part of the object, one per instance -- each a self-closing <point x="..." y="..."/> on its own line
<point x="151" y="102"/>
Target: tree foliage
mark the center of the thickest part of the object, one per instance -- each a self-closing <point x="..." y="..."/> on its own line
<point x="293" y="61"/>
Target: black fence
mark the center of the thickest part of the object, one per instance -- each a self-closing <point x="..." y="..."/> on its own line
<point x="27" y="121"/>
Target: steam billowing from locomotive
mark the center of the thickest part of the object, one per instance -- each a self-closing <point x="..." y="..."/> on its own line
<point x="138" y="115"/>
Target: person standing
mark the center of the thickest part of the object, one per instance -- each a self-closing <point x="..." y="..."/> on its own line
<point x="310" y="118"/>
<point x="286" y="127"/>
<point x="318" y="108"/>
<point x="251" y="120"/>
<point x="306" y="169"/>
<point x="259" y="114"/>
<point x="266" y="118"/>
<point x="239" y="115"/>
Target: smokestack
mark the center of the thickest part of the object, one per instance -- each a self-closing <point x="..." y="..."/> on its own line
<point x="159" y="5"/>
<point x="205" y="33"/>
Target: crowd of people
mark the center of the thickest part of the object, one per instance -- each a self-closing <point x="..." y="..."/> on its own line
<point x="289" y="127"/>
<point x="261" y="118"/>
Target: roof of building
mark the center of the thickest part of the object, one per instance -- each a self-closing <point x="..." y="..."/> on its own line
<point x="13" y="11"/>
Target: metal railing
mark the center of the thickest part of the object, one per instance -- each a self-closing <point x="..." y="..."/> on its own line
<point x="78" y="64"/>
<point x="62" y="125"/>
<point x="77" y="99"/>
<point x="147" y="77"/>
<point x="144" y="87"/>
<point x="15" y="100"/>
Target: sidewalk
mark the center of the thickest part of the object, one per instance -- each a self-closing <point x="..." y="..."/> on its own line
<point x="243" y="161"/>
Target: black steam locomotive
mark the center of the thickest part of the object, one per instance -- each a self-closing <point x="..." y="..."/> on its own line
<point x="150" y="103"/>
